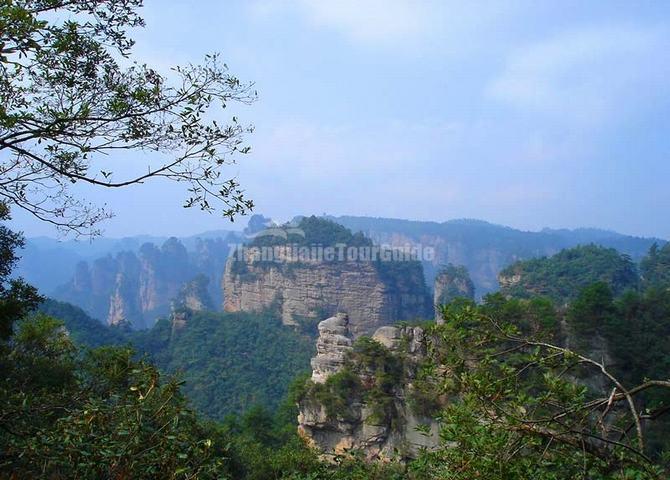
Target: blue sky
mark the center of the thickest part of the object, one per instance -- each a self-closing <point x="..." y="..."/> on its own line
<point x="523" y="113"/>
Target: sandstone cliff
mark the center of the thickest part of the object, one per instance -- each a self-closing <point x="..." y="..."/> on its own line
<point x="451" y="282"/>
<point x="366" y="395"/>
<point x="304" y="292"/>
<point x="136" y="288"/>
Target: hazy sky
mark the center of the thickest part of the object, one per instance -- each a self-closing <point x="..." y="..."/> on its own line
<point x="524" y="113"/>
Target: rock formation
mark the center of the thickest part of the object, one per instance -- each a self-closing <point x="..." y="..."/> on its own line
<point x="452" y="282"/>
<point x="303" y="292"/>
<point x="136" y="288"/>
<point x="331" y="347"/>
<point x="383" y="426"/>
<point x="193" y="297"/>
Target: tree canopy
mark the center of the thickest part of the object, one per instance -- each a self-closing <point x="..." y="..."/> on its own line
<point x="71" y="96"/>
<point x="562" y="276"/>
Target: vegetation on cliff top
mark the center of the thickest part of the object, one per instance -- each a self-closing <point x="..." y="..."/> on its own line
<point x="310" y="231"/>
<point x="402" y="273"/>
<point x="563" y="275"/>
<point x="457" y="281"/>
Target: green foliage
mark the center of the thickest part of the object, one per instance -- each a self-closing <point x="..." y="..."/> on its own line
<point x="517" y="414"/>
<point x="372" y="374"/>
<point x="592" y="310"/>
<point x="516" y="409"/>
<point x="425" y="396"/>
<point x="655" y="267"/>
<point x="229" y="361"/>
<point x="16" y="297"/>
<point x="84" y="330"/>
<point x="635" y="328"/>
<point x="638" y="337"/>
<point x="67" y="98"/>
<point x="336" y="394"/>
<point x="96" y="414"/>
<point x="639" y="334"/>
<point x="311" y="231"/>
<point x="562" y="276"/>
<point x="383" y="373"/>
<point x="537" y="316"/>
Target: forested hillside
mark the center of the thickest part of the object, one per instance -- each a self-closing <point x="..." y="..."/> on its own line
<point x="229" y="362"/>
<point x="311" y="349"/>
<point x="562" y="276"/>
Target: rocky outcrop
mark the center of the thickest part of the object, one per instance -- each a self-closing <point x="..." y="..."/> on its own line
<point x="136" y="288"/>
<point x="509" y="279"/>
<point x="382" y="425"/>
<point x="331" y="347"/>
<point x="304" y="292"/>
<point x="193" y="297"/>
<point x="452" y="282"/>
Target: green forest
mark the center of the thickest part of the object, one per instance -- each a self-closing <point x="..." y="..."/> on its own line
<point x="560" y="374"/>
<point x="218" y="396"/>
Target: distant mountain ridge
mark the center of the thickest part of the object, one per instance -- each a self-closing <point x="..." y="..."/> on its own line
<point x="138" y="287"/>
<point x="48" y="263"/>
<point x="485" y="248"/>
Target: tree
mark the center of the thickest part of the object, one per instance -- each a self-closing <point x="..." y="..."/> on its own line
<point x="17" y="298"/>
<point x="655" y="267"/>
<point x="72" y="413"/>
<point x="523" y="412"/>
<point x="592" y="310"/>
<point x="95" y="414"/>
<point x="67" y="100"/>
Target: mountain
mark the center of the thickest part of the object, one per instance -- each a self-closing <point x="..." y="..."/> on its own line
<point x="562" y="277"/>
<point x="115" y="279"/>
<point x="484" y="248"/>
<point x="138" y="287"/>
<point x="48" y="263"/>
<point x="315" y="268"/>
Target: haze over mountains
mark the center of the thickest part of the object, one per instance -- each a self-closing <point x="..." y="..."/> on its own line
<point x="141" y="276"/>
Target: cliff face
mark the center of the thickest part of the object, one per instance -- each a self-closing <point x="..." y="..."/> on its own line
<point x="375" y="418"/>
<point x="452" y="282"/>
<point x="304" y="292"/>
<point x="139" y="287"/>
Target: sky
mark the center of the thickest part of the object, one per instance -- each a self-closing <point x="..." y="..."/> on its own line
<point x="523" y="113"/>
